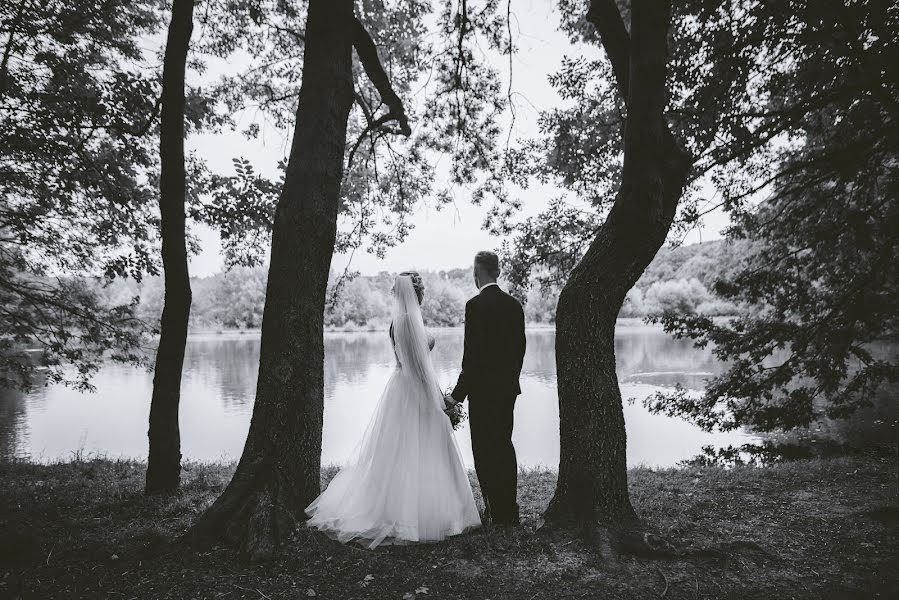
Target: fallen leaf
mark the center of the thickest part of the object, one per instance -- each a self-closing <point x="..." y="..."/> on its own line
<point x="367" y="579"/>
<point x="310" y="592"/>
<point x="422" y="590"/>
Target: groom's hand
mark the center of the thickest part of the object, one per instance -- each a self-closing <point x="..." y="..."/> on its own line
<point x="449" y="402"/>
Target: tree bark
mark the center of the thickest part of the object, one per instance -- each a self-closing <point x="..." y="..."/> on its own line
<point x="279" y="472"/>
<point x="592" y="484"/>
<point x="164" y="461"/>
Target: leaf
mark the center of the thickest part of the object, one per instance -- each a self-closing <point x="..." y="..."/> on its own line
<point x="422" y="590"/>
<point x="367" y="579"/>
<point x="311" y="593"/>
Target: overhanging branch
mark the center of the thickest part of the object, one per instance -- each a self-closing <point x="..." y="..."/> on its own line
<point x="606" y="18"/>
<point x="368" y="56"/>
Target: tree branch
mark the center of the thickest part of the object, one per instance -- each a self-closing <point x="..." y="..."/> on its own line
<point x="146" y="126"/>
<point x="606" y="18"/>
<point x="616" y="41"/>
<point x="463" y="21"/>
<point x="368" y="55"/>
<point x="296" y="35"/>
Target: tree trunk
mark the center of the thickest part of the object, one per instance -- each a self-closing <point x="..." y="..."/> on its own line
<point x="279" y="471"/>
<point x="592" y="484"/>
<point x="10" y="45"/>
<point x="164" y="461"/>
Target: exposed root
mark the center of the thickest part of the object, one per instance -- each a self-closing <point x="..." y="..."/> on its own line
<point x="639" y="541"/>
<point x="628" y="536"/>
<point x="665" y="591"/>
<point x="599" y="539"/>
<point x="634" y="538"/>
<point x="254" y="514"/>
<point x="727" y="549"/>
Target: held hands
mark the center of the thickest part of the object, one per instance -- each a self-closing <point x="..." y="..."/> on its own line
<point x="453" y="411"/>
<point x="449" y="402"/>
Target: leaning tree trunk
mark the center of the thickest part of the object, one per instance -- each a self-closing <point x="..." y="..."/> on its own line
<point x="164" y="461"/>
<point x="279" y="471"/>
<point x="592" y="484"/>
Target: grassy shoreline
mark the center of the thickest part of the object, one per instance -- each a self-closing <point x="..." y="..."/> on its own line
<point x="823" y="528"/>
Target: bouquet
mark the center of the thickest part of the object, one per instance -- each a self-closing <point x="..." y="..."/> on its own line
<point x="456" y="414"/>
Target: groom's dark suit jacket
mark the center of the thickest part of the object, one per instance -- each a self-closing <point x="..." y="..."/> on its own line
<point x="494" y="346"/>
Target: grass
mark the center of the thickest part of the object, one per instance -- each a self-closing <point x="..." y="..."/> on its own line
<point x="822" y="528"/>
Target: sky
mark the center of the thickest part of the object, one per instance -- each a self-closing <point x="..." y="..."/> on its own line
<point x="448" y="238"/>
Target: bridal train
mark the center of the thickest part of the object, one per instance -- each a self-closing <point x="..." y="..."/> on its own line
<point x="406" y="481"/>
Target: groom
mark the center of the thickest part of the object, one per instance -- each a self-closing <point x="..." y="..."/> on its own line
<point x="491" y="364"/>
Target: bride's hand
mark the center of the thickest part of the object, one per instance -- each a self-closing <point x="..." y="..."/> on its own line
<point x="449" y="402"/>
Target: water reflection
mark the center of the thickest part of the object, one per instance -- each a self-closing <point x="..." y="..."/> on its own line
<point x="220" y="380"/>
<point x="14" y="433"/>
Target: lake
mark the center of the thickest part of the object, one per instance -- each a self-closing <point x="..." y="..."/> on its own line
<point x="220" y="371"/>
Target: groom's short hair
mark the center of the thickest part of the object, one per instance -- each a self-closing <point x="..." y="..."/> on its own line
<point x="488" y="262"/>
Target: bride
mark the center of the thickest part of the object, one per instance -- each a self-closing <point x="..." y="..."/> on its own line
<point x="406" y="482"/>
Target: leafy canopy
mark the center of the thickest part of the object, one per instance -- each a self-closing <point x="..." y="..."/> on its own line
<point x="790" y="110"/>
<point x="77" y="101"/>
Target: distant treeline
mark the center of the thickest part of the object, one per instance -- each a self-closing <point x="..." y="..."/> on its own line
<point x="680" y="279"/>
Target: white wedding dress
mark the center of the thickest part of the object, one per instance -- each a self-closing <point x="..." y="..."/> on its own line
<point x="406" y="481"/>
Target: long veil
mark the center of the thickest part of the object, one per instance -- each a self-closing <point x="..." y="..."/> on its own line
<point x="411" y="340"/>
<point x="406" y="481"/>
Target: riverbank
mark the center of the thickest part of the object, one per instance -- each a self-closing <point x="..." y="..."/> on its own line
<point x="824" y="528"/>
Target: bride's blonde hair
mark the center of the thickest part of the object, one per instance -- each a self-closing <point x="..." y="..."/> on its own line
<point x="417" y="283"/>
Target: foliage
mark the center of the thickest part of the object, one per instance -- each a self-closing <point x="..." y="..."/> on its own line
<point x="359" y="303"/>
<point x="678" y="296"/>
<point x="768" y="453"/>
<point x="235" y="298"/>
<point x="789" y="110"/>
<point x="77" y="96"/>
<point x="238" y="298"/>
<point x="444" y="304"/>
<point x="821" y="281"/>
<point x="433" y="57"/>
<point x="78" y="132"/>
<point x="80" y="97"/>
<point x="68" y="322"/>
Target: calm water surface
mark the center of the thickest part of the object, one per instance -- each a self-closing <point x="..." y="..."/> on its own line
<point x="220" y="379"/>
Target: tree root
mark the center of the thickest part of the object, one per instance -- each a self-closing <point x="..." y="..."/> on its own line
<point x="639" y="541"/>
<point x="636" y="539"/>
<point x="665" y="591"/>
<point x="610" y="541"/>
<point x="255" y="514"/>
<point x="727" y="549"/>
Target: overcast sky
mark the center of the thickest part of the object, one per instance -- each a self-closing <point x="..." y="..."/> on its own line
<point x="448" y="238"/>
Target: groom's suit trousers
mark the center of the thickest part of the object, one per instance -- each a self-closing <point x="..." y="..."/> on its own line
<point x="491" y="364"/>
<point x="491" y="417"/>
